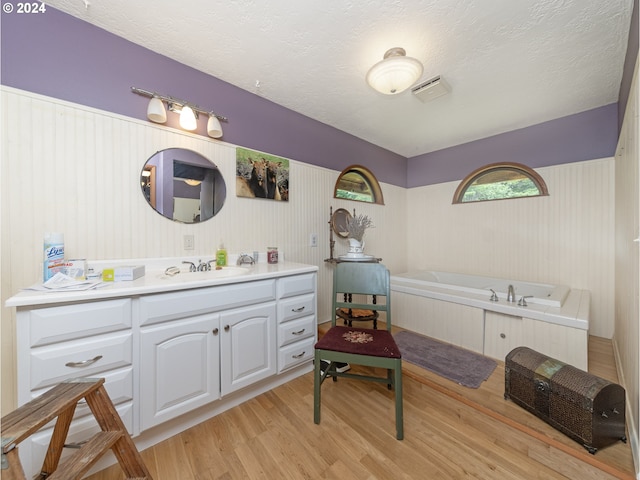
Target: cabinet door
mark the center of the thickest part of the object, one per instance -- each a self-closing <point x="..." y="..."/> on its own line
<point x="502" y="333"/>
<point x="179" y="368"/>
<point x="247" y="346"/>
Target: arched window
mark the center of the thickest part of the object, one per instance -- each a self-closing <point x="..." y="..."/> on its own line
<point x="358" y="183"/>
<point x="500" y="181"/>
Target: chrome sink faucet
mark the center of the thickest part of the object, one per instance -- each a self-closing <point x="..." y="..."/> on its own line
<point x="244" y="258"/>
<point x="192" y="266"/>
<point x="511" y="294"/>
<point x="205" y="266"/>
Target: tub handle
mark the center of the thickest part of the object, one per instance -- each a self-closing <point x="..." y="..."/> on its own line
<point x="494" y="295"/>
<point x="523" y="302"/>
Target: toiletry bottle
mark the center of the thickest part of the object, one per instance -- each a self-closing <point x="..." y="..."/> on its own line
<point x="221" y="256"/>
<point x="53" y="255"/>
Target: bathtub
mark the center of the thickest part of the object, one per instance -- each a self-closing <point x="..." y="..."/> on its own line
<point x="457" y="308"/>
<point x="542" y="294"/>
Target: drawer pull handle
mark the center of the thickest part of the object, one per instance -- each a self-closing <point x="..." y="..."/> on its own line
<point x="83" y="363"/>
<point x="300" y="355"/>
<point x="299" y="309"/>
<point x="299" y="332"/>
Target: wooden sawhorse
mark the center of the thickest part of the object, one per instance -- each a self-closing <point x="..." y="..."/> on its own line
<point x="61" y="402"/>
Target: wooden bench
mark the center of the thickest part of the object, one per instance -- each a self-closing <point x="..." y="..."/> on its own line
<point x="61" y="402"/>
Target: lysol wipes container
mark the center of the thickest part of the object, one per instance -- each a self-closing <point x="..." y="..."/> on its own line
<point x="53" y="254"/>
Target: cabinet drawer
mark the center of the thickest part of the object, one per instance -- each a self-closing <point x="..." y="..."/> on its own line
<point x="119" y="387"/>
<point x="170" y="306"/>
<point x="296" y="307"/>
<point x="68" y="322"/>
<point x="295" y="354"/>
<point x="296" y="330"/>
<point x="49" y="365"/>
<point x="296" y="285"/>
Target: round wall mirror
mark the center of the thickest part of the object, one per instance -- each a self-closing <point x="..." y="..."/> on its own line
<point x="182" y="185"/>
<point x="339" y="222"/>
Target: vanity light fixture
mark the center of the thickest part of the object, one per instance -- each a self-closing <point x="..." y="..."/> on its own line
<point x="156" y="111"/>
<point x="189" y="112"/>
<point x="188" y="119"/>
<point x="395" y="73"/>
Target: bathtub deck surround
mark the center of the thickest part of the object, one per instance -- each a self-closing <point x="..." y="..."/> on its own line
<point x="461" y="311"/>
<point x="174" y="348"/>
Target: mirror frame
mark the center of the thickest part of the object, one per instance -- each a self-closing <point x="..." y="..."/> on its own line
<point x="215" y="191"/>
<point x="339" y="219"/>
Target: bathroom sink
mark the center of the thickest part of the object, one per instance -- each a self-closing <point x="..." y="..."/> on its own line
<point x="224" y="272"/>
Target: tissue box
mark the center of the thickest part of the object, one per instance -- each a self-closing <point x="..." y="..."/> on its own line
<point x="128" y="273"/>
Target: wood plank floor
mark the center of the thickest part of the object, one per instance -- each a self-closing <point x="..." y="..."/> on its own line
<point x="451" y="432"/>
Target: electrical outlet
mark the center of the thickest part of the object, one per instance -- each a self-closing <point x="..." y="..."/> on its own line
<point x="313" y="240"/>
<point x="189" y="242"/>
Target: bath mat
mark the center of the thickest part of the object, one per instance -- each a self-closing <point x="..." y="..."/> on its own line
<point x="462" y="366"/>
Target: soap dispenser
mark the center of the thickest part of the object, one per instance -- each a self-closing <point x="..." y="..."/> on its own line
<point x="221" y="256"/>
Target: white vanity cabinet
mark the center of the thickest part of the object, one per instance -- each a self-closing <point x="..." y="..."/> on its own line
<point x="57" y="343"/>
<point x="179" y="369"/>
<point x="297" y="324"/>
<point x="247" y="346"/>
<point x="199" y="344"/>
<point x="173" y="352"/>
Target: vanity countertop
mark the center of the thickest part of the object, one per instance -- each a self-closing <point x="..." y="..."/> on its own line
<point x="156" y="281"/>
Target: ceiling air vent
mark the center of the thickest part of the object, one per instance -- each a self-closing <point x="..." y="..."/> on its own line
<point x="433" y="88"/>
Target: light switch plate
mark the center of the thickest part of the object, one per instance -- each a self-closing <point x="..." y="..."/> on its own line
<point x="189" y="242"/>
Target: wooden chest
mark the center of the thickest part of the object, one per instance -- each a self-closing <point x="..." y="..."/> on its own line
<point x="587" y="408"/>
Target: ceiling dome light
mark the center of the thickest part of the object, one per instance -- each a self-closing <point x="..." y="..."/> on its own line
<point x="395" y="73"/>
<point x="188" y="118"/>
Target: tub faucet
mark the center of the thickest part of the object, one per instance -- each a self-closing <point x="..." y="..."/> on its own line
<point x="494" y="295"/>
<point x="511" y="294"/>
<point x="523" y="301"/>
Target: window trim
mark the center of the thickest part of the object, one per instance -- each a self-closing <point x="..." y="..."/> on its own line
<point x="517" y="167"/>
<point x="369" y="177"/>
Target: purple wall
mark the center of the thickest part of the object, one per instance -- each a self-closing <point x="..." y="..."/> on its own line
<point x="583" y="136"/>
<point x="57" y="55"/>
<point x="60" y="56"/>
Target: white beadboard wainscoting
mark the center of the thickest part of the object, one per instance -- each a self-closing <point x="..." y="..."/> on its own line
<point x="76" y="170"/>
<point x="565" y="238"/>
<point x="626" y="339"/>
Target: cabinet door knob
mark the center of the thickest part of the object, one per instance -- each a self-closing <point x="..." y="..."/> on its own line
<point x="226" y="328"/>
<point x="502" y="335"/>
<point x="215" y="331"/>
<point x="83" y="363"/>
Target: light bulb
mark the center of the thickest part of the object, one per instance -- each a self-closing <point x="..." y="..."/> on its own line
<point x="188" y="118"/>
<point x="213" y="127"/>
<point x="156" y="111"/>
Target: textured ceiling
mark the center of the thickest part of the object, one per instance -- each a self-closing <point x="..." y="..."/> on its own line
<point x="510" y="63"/>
